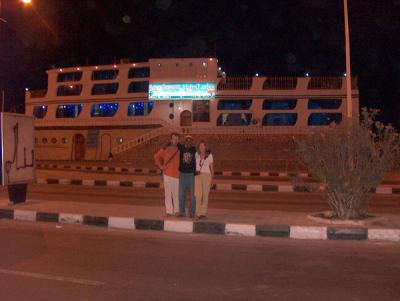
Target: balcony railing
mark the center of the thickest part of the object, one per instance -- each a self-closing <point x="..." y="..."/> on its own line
<point x="235" y="83"/>
<point x="354" y="83"/>
<point x="280" y="83"/>
<point x="38" y="93"/>
<point x="329" y="83"/>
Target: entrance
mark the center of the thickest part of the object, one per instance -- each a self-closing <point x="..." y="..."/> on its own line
<point x="79" y="147"/>
<point x="105" y="146"/>
<point x="186" y="118"/>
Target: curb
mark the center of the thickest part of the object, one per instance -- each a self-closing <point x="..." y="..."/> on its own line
<point x="218" y="187"/>
<point x="119" y="169"/>
<point x="205" y="227"/>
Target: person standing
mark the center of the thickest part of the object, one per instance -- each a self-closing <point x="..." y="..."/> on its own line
<point x="167" y="159"/>
<point x="204" y="175"/>
<point x="187" y="167"/>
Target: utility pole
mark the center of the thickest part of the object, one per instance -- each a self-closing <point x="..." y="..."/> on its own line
<point x="348" y="65"/>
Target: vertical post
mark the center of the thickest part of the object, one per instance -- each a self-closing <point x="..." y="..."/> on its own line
<point x="348" y="66"/>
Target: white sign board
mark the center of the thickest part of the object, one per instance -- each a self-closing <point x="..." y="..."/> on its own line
<point x="199" y="90"/>
<point x="17" y="149"/>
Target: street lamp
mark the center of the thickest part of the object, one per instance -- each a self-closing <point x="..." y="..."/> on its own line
<point x="348" y="66"/>
<point x="25" y="2"/>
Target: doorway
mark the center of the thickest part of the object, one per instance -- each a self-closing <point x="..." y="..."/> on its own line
<point x="186" y="118"/>
<point x="105" y="146"/>
<point x="79" y="147"/>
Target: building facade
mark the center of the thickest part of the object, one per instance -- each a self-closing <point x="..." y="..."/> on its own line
<point x="88" y="113"/>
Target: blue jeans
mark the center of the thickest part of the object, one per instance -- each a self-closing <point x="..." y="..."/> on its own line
<point x="186" y="181"/>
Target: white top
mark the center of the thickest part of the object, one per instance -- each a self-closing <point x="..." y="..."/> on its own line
<point x="204" y="165"/>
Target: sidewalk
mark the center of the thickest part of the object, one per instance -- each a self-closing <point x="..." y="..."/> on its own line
<point x="219" y="221"/>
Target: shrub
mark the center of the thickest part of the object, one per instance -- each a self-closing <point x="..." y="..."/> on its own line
<point x="350" y="160"/>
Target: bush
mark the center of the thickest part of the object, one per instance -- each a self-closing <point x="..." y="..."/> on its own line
<point x="350" y="159"/>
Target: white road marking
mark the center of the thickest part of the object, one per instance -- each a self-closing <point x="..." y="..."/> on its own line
<point x="51" y="277"/>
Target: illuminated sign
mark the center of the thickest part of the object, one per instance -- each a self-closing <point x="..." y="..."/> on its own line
<point x="182" y="90"/>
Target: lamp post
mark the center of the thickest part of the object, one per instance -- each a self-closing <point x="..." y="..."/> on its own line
<point x="1" y="19"/>
<point x="25" y="2"/>
<point x="348" y="66"/>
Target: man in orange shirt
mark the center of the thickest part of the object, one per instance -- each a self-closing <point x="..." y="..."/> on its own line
<point x="167" y="159"/>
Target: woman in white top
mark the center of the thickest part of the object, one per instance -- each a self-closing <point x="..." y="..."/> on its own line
<point x="203" y="178"/>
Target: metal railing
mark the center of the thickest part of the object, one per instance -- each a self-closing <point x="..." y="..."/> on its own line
<point x="140" y="140"/>
<point x="328" y="82"/>
<point x="244" y="131"/>
<point x="249" y="130"/>
<point x="354" y="83"/>
<point x="235" y="83"/>
<point x="280" y="83"/>
<point x="110" y="121"/>
<point x="38" y="93"/>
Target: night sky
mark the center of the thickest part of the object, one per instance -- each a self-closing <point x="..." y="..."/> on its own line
<point x="280" y="37"/>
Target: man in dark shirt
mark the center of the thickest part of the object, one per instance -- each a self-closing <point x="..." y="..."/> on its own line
<point x="187" y="167"/>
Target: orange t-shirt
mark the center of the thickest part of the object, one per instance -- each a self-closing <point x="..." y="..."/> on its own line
<point x="164" y="155"/>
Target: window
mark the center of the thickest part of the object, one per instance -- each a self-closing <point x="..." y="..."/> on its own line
<point x="109" y="88"/>
<point x="44" y="140"/>
<point x="140" y="108"/>
<point x="105" y="74"/>
<point x="39" y="111"/>
<point x="120" y="140"/>
<point x="327" y="104"/>
<point x="54" y="140"/>
<point x="234" y="119"/>
<point x="69" y="77"/>
<point x="69" y="90"/>
<point x="64" y="140"/>
<point x="234" y="104"/>
<point x="279" y="104"/>
<point x="68" y="111"/>
<point x="201" y="110"/>
<point x="279" y="119"/>
<point x="104" y="110"/>
<point x="324" y="118"/>
<point x="139" y="72"/>
<point x="138" y="87"/>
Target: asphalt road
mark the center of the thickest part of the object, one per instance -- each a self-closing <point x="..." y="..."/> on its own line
<point x="48" y="262"/>
<point x="43" y="262"/>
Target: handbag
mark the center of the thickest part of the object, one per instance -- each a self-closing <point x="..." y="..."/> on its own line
<point x="196" y="173"/>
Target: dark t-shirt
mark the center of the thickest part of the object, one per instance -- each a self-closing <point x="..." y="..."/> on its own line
<point x="187" y="162"/>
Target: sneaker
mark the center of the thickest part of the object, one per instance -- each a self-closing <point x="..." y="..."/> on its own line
<point x="191" y="215"/>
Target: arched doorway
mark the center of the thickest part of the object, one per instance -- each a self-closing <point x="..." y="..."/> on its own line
<point x="186" y="118"/>
<point x="79" y="147"/>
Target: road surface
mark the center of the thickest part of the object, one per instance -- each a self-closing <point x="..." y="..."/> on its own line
<point x="52" y="262"/>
